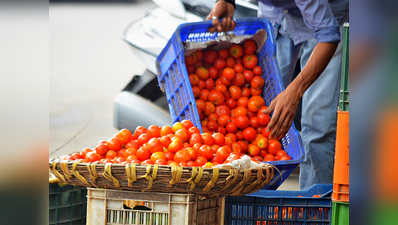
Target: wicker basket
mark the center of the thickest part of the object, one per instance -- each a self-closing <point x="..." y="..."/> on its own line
<point x="165" y="179"/>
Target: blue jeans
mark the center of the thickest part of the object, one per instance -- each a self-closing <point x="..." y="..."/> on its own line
<point x="319" y="108"/>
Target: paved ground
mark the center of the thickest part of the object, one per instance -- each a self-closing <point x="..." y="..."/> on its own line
<point x="89" y="65"/>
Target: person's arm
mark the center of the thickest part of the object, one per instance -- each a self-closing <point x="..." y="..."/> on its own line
<point x="223" y="10"/>
<point x="285" y="104"/>
<point x="318" y="16"/>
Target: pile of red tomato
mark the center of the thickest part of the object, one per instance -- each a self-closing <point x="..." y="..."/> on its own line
<point x="227" y="85"/>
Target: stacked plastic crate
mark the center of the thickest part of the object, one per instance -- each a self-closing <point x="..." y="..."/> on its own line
<point x="340" y="197"/>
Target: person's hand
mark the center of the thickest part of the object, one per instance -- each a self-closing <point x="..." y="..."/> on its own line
<point x="224" y="11"/>
<point x="284" y="107"/>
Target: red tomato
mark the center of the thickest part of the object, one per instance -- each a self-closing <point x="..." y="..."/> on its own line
<point x="216" y="159"/>
<point x="231" y="103"/>
<point x="229" y="74"/>
<point x="207" y="139"/>
<point x="165" y="141"/>
<point x="195" y="138"/>
<point x="248" y="74"/>
<point x="216" y="97"/>
<point x="101" y="149"/>
<point x="257" y="70"/>
<point x="250" y="61"/>
<point x="205" y="151"/>
<point x="142" y="139"/>
<point x="239" y="80"/>
<point x="143" y="153"/>
<point x="147" y="162"/>
<point x="249" y="47"/>
<point x="285" y="157"/>
<point x="124" y="136"/>
<point x="257" y="82"/>
<point x="202" y="72"/>
<point x="162" y="162"/>
<point x="238" y="68"/>
<point x="209" y="56"/>
<point x="249" y="134"/>
<point x="242" y="122"/>
<point x="236" y="51"/>
<point x="200" y="161"/>
<point x="230" y="62"/>
<point x="222" y="110"/>
<point x="182" y="156"/>
<point x="158" y="155"/>
<point x="166" y="130"/>
<point x="219" y="139"/>
<point x="274" y="146"/>
<point x="183" y="134"/>
<point x="209" y="84"/>
<point x="192" y="164"/>
<point x="213" y="73"/>
<point x="212" y="125"/>
<point x="221" y="88"/>
<point x="154" y="145"/>
<point x="114" y="144"/>
<point x="246" y="92"/>
<point x="221" y="130"/>
<point x="140" y="130"/>
<point x="110" y="154"/>
<point x="193" y="79"/>
<point x="169" y="155"/>
<point x="223" y="53"/>
<point x="231" y="127"/>
<point x="219" y="63"/>
<point x="193" y="130"/>
<point x="175" y="145"/>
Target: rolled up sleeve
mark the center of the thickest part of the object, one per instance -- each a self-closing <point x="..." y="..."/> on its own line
<point x="319" y="17"/>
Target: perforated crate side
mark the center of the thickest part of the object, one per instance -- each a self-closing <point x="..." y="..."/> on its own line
<point x="113" y="207"/>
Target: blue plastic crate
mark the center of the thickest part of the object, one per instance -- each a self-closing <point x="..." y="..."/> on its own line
<point x="281" y="207"/>
<point x="173" y="80"/>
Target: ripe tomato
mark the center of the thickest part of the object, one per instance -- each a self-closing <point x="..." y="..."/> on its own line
<point x="172" y="163"/>
<point x="263" y="119"/>
<point x="221" y="88"/>
<point x="248" y="74"/>
<point x="142" y="139"/>
<point x="201" y="84"/>
<point x="245" y="92"/>
<point x="198" y="64"/>
<point x="219" y="139"/>
<point x="204" y="123"/>
<point x="183" y="134"/>
<point x="230" y="62"/>
<point x="225" y="81"/>
<point x="249" y="47"/>
<point x="192" y="152"/>
<point x="265" y="133"/>
<point x="190" y="69"/>
<point x="253" y="150"/>
<point x="212" y="125"/>
<point x="155" y="145"/>
<point x="232" y="157"/>
<point x="243" y="101"/>
<point x="236" y="51"/>
<point x="279" y="154"/>
<point x="124" y="135"/>
<point x="239" y="80"/>
<point x="131" y="158"/>
<point x="140" y="130"/>
<point x="205" y="151"/>
<point x="274" y="146"/>
<point x="158" y="155"/>
<point x="216" y="97"/>
<point x="257" y="70"/>
<point x="114" y="144"/>
<point x="129" y="152"/>
<point x="92" y="157"/>
<point x="121" y="152"/>
<point x="166" y="130"/>
<point x="262" y="142"/>
<point x="101" y="149"/>
<point x="249" y="134"/>
<point x="223" y="120"/>
<point x="269" y="157"/>
<point x="216" y="159"/>
<point x="182" y="156"/>
<point x="204" y="94"/>
<point x="187" y="124"/>
<point x="209" y="84"/>
<point x="222" y="110"/>
<point x="242" y="121"/>
<point x="257" y="82"/>
<point x="221" y="130"/>
<point x="250" y="61"/>
<point x="213" y="117"/>
<point x="253" y="105"/>
<point x="193" y="79"/>
<point x="154" y="131"/>
<point x="200" y="161"/>
<point x="255" y="92"/>
<point x="175" y="145"/>
<point x="196" y="92"/>
<point x="207" y="139"/>
<point x="219" y="63"/>
<point x="229" y="74"/>
<point x="254" y="122"/>
<point x="198" y="54"/>
<point x="213" y="73"/>
<point x="240" y="110"/>
<point x="231" y="103"/>
<point x="143" y="153"/>
<point x="169" y="155"/>
<point x="165" y="140"/>
<point x="285" y="157"/>
<point x="223" y="53"/>
<point x="209" y="56"/>
<point x="190" y="60"/>
<point x="239" y="68"/>
<point x="239" y="135"/>
<point x="223" y="152"/>
<point x="162" y="162"/>
<point x="209" y="108"/>
<point x="192" y="164"/>
<point x="200" y="104"/>
<point x="147" y="162"/>
<point x="231" y="127"/>
<point x="236" y="92"/>
<point x="193" y="130"/>
<point x="110" y="154"/>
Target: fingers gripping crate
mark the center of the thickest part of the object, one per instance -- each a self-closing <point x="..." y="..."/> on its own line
<point x="112" y="207"/>
<point x="174" y="81"/>
<point x="310" y="207"/>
